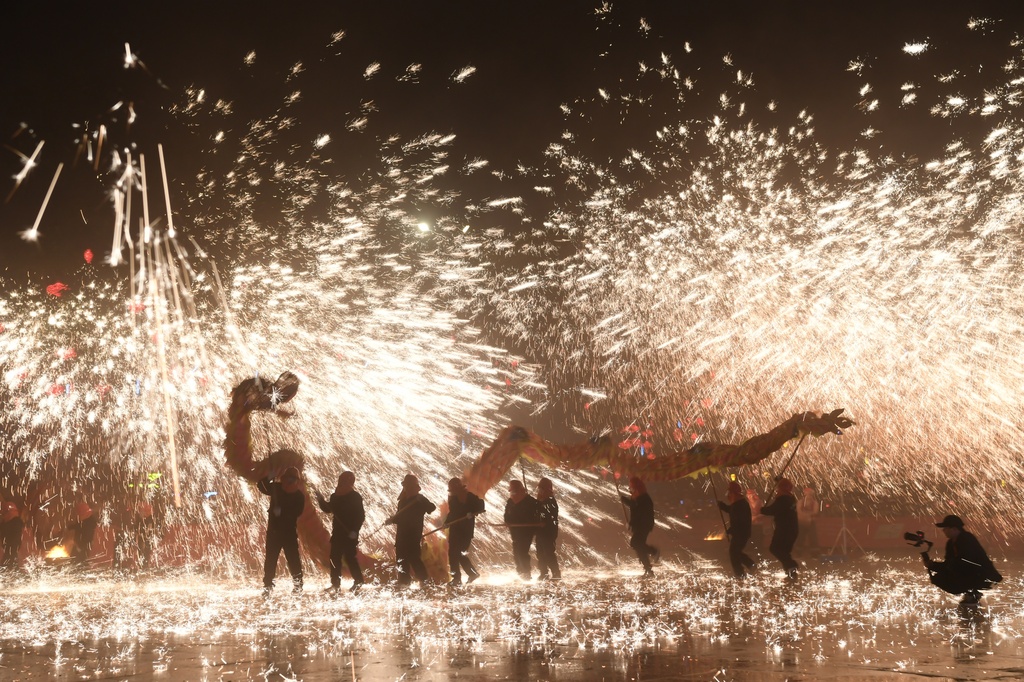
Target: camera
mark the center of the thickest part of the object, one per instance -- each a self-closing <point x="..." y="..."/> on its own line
<point x="917" y="539"/>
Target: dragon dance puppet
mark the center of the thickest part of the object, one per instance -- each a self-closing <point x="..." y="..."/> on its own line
<point x="515" y="442"/>
<point x="495" y="461"/>
<point x="256" y="395"/>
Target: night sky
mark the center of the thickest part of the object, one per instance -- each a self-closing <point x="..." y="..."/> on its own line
<point x="65" y="67"/>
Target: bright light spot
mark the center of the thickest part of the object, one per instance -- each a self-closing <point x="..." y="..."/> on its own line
<point x="57" y="552"/>
<point x="463" y="73"/>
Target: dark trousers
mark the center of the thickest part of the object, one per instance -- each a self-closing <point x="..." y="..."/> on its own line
<point x="547" y="562"/>
<point x="521" y="542"/>
<point x="11" y="555"/>
<point x="739" y="558"/>
<point x="643" y="551"/>
<point x="782" y="549"/>
<point x="458" y="560"/>
<point x="407" y="555"/>
<point x="956" y="583"/>
<point x="277" y="540"/>
<point x="344" y="548"/>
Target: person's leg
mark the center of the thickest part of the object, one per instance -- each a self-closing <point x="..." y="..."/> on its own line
<point x="639" y="544"/>
<point x="745" y="560"/>
<point x="782" y="549"/>
<point x="521" y="554"/>
<point x="948" y="581"/>
<point x="775" y="549"/>
<point x="791" y="564"/>
<point x="543" y="556"/>
<point x="953" y="583"/>
<point x="270" y="562"/>
<point x="336" y="553"/>
<point x="454" y="561"/>
<point x="416" y="565"/>
<point x="556" y="573"/>
<point x="402" y="560"/>
<point x="350" y="551"/>
<point x="467" y="565"/>
<point x="736" y="556"/>
<point x="290" y="543"/>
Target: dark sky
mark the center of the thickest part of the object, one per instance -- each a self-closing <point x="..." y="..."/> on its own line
<point x="64" y="67"/>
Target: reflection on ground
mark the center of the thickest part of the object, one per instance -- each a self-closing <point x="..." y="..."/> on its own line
<point x="873" y="619"/>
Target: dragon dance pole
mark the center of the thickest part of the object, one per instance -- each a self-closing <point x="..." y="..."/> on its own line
<point x="786" y="466"/>
<point x="625" y="516"/>
<point x="715" y="491"/>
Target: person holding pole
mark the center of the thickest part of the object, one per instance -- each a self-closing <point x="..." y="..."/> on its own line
<point x="739" y="529"/>
<point x="346" y="506"/>
<point x="522" y="517"/>
<point x="787" y="528"/>
<point x="286" y="504"/>
<point x="641" y="523"/>
<point x="463" y="507"/>
<point x="547" y="534"/>
<point x="408" y="522"/>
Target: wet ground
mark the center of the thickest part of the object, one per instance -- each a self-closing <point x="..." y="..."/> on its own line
<point x="869" y="619"/>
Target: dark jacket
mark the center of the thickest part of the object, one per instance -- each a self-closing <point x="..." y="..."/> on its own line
<point x="285" y="508"/>
<point x="548" y="517"/>
<point x="783" y="508"/>
<point x="348" y="514"/>
<point x="739" y="517"/>
<point x="409" y="518"/>
<point x="966" y="558"/>
<point x="522" y="517"/>
<point x="641" y="513"/>
<point x="459" y="509"/>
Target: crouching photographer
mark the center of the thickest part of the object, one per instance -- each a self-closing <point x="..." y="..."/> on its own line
<point x="966" y="569"/>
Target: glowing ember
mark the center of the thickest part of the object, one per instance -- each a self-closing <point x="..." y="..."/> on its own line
<point x="57" y="552"/>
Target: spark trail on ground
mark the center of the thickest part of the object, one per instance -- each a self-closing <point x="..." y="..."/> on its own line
<point x="873" y="616"/>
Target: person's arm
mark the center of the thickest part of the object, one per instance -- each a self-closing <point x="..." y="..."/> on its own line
<point x="428" y="506"/>
<point x="263" y="485"/>
<point x="535" y="512"/>
<point x="325" y="505"/>
<point x="724" y="507"/>
<point x="478" y="506"/>
<point x="403" y="506"/>
<point x="770" y="509"/>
